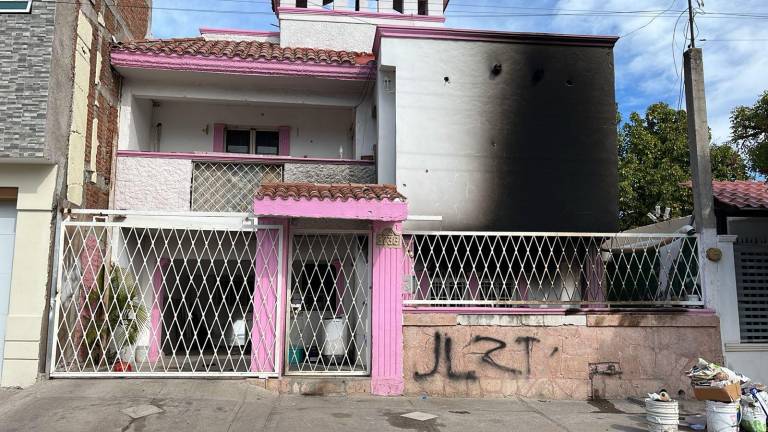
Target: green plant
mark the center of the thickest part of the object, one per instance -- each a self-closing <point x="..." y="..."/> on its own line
<point x="117" y="312"/>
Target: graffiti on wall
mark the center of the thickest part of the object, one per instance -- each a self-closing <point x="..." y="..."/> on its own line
<point x="443" y="349"/>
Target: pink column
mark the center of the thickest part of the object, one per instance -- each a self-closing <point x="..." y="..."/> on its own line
<point x="284" y="140"/>
<point x="91" y="261"/>
<point x="218" y="137"/>
<point x="268" y="287"/>
<point x="156" y="316"/>
<point x="387" y="315"/>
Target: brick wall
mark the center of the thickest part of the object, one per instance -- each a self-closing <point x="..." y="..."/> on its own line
<point x="129" y="20"/>
<point x="25" y="59"/>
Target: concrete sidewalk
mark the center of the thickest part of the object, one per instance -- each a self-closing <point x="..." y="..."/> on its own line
<point x="237" y="405"/>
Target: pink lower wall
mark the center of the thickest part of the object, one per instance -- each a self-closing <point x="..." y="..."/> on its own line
<point x="554" y="357"/>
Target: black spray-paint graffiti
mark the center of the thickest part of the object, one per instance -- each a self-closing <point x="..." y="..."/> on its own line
<point x="447" y="348"/>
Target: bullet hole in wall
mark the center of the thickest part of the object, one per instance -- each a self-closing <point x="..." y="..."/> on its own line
<point x="569" y="83"/>
<point x="447" y="80"/>
<point x="426" y="171"/>
<point x="537" y="76"/>
<point x="496" y="69"/>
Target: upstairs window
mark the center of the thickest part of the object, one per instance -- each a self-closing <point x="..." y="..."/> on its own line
<point x="398" y="5"/>
<point x="252" y="141"/>
<point x="15" y="6"/>
<point x="422" y="8"/>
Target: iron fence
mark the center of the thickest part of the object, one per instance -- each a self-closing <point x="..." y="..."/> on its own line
<point x="496" y="269"/>
<point x="229" y="187"/>
<point x="161" y="298"/>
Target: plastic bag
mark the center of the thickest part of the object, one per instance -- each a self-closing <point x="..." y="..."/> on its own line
<point x="752" y="417"/>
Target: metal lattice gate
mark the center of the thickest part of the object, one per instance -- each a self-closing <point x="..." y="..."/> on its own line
<point x="751" y="261"/>
<point x="329" y="304"/>
<point x="162" y="299"/>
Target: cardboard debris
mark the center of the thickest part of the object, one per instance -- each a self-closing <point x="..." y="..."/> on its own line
<point x="728" y="393"/>
<point x="140" y="411"/>
<point x="418" y="415"/>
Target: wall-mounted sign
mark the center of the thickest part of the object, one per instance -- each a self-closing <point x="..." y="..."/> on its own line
<point x="388" y="238"/>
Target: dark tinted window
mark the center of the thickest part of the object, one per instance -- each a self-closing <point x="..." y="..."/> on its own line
<point x="238" y="141"/>
<point x="267" y="142"/>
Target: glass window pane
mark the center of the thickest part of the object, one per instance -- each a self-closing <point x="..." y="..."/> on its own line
<point x="238" y="141"/>
<point x="15" y="6"/>
<point x="267" y="142"/>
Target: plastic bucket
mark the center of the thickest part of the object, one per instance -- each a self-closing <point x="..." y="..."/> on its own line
<point x="295" y="355"/>
<point x="722" y="417"/>
<point x="661" y="416"/>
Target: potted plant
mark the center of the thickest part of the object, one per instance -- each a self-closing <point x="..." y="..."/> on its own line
<point x="118" y="316"/>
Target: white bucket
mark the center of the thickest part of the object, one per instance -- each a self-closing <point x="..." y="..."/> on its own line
<point x="661" y="416"/>
<point x="722" y="417"/>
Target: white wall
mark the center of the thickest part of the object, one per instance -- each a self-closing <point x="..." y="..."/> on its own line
<point x="339" y="32"/>
<point x="135" y="124"/>
<point x="315" y="132"/>
<point x="502" y="152"/>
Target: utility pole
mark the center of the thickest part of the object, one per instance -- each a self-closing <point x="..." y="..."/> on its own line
<point x="701" y="166"/>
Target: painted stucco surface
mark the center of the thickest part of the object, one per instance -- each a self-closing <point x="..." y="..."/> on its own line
<point x="153" y="184"/>
<point x="605" y="356"/>
<point x="530" y="149"/>
<point x="328" y="173"/>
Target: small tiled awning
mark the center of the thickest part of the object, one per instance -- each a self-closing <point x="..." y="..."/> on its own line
<point x="375" y="202"/>
<point x="741" y="194"/>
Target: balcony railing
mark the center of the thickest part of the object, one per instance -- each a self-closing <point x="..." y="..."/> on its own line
<point x="498" y="269"/>
<point x="219" y="182"/>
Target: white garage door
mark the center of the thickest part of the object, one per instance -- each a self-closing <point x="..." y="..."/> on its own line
<point x="7" y="234"/>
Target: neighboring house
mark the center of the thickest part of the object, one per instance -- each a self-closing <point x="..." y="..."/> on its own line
<point x="741" y="300"/>
<point x="58" y="128"/>
<point x="741" y="208"/>
<point x="368" y="196"/>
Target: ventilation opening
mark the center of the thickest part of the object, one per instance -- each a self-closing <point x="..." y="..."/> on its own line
<point x="423" y="9"/>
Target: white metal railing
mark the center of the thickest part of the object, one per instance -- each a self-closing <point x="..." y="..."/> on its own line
<point x="505" y="269"/>
<point x="167" y="297"/>
<point x="228" y="186"/>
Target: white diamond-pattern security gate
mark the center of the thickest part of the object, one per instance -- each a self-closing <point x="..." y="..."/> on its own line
<point x="148" y="299"/>
<point x="329" y="304"/>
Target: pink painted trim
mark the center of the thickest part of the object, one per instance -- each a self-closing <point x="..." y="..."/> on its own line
<point x="490" y="36"/>
<point x="209" y="30"/>
<point x="387" y="316"/>
<point x="284" y="148"/>
<point x="231" y="157"/>
<point x="360" y="14"/>
<point x="266" y="290"/>
<point x="240" y="66"/>
<point x="218" y="137"/>
<point x="282" y="289"/>
<point x="545" y="311"/>
<point x="373" y="210"/>
<point x="156" y="316"/>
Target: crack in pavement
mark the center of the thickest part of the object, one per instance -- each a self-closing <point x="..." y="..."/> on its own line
<point x="543" y="414"/>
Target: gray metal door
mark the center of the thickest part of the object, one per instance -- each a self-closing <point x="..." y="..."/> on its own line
<point x="7" y="236"/>
<point x="752" y="290"/>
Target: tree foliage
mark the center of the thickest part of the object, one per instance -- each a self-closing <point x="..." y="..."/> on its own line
<point x="749" y="132"/>
<point x="654" y="162"/>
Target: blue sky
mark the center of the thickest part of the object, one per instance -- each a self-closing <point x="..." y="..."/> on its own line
<point x="648" y="55"/>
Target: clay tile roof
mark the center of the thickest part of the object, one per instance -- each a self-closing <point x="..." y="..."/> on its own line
<point x="253" y="50"/>
<point x="333" y="192"/>
<point x="742" y="194"/>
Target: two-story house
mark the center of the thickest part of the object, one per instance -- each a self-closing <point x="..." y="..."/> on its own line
<point x="369" y="198"/>
<point x="59" y="100"/>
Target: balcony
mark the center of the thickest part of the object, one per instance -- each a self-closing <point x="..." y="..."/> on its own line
<point x="219" y="182"/>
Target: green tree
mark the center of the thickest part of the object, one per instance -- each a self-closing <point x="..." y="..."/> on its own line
<point x="654" y="162"/>
<point x="749" y="132"/>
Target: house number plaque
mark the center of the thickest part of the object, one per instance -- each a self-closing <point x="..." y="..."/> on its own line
<point x="388" y="238"/>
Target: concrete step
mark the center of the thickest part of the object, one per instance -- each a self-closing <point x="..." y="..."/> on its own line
<point x="316" y="386"/>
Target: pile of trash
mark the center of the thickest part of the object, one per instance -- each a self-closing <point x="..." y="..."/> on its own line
<point x="732" y="399"/>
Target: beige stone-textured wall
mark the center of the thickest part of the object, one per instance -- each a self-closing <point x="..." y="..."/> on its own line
<point x="153" y="184"/>
<point x="555" y="357"/>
